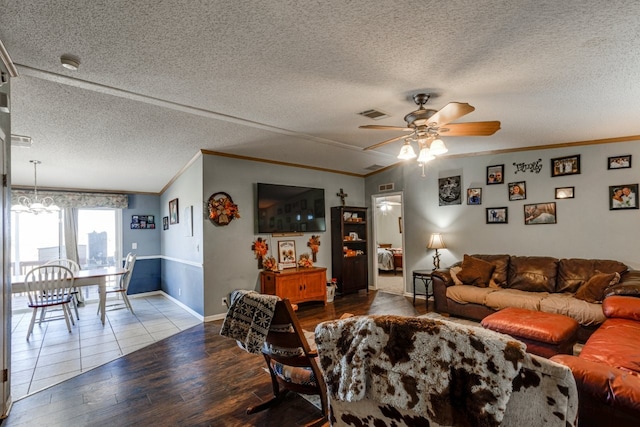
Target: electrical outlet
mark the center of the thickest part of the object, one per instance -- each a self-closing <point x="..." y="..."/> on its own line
<point x="224" y="302"/>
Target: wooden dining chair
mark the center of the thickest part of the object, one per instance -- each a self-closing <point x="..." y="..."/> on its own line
<point x="291" y="362"/>
<point x="122" y="286"/>
<point x="49" y="286"/>
<point x="73" y="266"/>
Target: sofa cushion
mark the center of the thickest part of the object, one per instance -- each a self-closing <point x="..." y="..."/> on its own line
<point x="465" y="294"/>
<point x="503" y="298"/>
<point x="615" y="343"/>
<point x="623" y="307"/>
<point x="593" y="290"/>
<point x="583" y="312"/>
<point x="453" y="272"/>
<point x="574" y="272"/>
<point x="500" y="274"/>
<point x="475" y="272"/>
<point x="535" y="274"/>
<point x="629" y="284"/>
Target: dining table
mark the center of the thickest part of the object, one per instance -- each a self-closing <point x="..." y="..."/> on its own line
<point x="91" y="277"/>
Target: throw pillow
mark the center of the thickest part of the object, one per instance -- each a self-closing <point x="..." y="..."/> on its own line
<point x="475" y="272"/>
<point x="593" y="290"/>
<point x="453" y="271"/>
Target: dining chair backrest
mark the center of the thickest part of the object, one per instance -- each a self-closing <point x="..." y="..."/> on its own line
<point x="47" y="283"/>
<point x="65" y="262"/>
<point x="129" y="262"/>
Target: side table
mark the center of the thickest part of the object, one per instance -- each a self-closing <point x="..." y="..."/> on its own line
<point x="425" y="276"/>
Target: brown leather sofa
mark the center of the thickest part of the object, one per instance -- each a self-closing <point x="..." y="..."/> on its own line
<point x="607" y="371"/>
<point x="536" y="283"/>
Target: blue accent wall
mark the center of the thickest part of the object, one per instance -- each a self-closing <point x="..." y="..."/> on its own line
<point x="146" y="276"/>
<point x="184" y="282"/>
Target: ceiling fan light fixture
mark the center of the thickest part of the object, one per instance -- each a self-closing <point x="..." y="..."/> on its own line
<point x="406" y="152"/>
<point x="437" y="147"/>
<point x="425" y="155"/>
<point x="70" y="62"/>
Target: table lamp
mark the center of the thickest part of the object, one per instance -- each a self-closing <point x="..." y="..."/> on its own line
<point x="436" y="242"/>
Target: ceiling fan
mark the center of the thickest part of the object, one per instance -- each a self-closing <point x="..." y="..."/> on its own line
<point x="425" y="126"/>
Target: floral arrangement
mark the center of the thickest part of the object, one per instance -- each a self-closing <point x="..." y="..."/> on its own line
<point x="269" y="263"/>
<point x="305" y="261"/>
<point x="222" y="210"/>
<point x="314" y="244"/>
<point x="260" y="248"/>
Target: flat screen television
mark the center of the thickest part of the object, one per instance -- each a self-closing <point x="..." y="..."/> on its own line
<point x="287" y="208"/>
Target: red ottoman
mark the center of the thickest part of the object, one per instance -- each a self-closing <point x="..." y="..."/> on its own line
<point x="545" y="334"/>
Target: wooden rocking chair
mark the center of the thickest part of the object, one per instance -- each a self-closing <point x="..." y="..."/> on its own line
<point x="291" y="361"/>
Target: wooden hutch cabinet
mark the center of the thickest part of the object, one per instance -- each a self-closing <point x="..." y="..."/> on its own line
<point x="349" y="261"/>
<point x="297" y="284"/>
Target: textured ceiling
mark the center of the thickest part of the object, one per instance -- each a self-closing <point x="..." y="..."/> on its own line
<point x="284" y="80"/>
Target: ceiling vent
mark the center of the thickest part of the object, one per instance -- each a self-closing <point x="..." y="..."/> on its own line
<point x="374" y="114"/>
<point x="21" y="141"/>
<point x="385" y="187"/>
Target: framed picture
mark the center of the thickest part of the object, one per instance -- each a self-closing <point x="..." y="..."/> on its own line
<point x="564" y="192"/>
<point x="449" y="191"/>
<point x="540" y="213"/>
<point x="474" y="196"/>
<point x="517" y="191"/>
<point x="173" y="211"/>
<point x="623" y="196"/>
<point x="619" y="162"/>
<point x="287" y="253"/>
<point x="400" y="224"/>
<point x="497" y="215"/>
<point x="165" y="223"/>
<point x="495" y="174"/>
<point x="569" y="165"/>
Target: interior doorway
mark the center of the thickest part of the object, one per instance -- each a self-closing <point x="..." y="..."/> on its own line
<point x="388" y="225"/>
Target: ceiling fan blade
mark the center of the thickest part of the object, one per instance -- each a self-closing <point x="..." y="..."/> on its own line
<point x="388" y="141"/>
<point x="449" y="113"/>
<point x="379" y="127"/>
<point x="471" y="129"/>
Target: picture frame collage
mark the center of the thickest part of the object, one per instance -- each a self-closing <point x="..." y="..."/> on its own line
<point x="621" y="196"/>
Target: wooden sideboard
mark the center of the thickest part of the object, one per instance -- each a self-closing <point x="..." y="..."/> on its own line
<point x="297" y="284"/>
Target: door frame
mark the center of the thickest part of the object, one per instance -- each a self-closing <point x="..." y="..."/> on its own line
<point x="374" y="240"/>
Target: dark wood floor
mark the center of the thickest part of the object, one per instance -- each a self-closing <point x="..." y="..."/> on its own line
<point x="194" y="378"/>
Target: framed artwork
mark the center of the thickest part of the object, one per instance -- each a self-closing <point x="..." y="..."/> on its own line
<point x="619" y="162"/>
<point x="173" y="211"/>
<point x="495" y="174"/>
<point x="623" y="196"/>
<point x="165" y="223"/>
<point x="474" y="196"/>
<point x="540" y="213"/>
<point x="569" y="165"/>
<point x="497" y="215"/>
<point x="143" y="222"/>
<point x="287" y="253"/>
<point x="565" y="192"/>
<point x="517" y="191"/>
<point x="188" y="221"/>
<point x="449" y="191"/>
<point x="400" y="224"/>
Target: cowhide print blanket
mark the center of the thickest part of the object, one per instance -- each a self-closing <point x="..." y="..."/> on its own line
<point x="249" y="318"/>
<point x="446" y="372"/>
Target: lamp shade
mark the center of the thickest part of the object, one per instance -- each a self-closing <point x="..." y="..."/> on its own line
<point x="437" y="147"/>
<point x="406" y="152"/>
<point x="436" y="242"/>
<point x="425" y="156"/>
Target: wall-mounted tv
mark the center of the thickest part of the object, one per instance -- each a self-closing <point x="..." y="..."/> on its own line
<point x="287" y="208"/>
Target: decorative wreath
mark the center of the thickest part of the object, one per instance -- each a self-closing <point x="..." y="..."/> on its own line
<point x="222" y="209"/>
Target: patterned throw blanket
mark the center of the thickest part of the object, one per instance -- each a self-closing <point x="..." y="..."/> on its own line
<point x="248" y="319"/>
<point x="446" y="372"/>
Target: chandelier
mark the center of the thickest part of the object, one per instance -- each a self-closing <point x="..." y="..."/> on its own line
<point x="429" y="145"/>
<point x="35" y="206"/>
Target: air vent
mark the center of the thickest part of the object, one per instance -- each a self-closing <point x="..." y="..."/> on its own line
<point x="374" y="167"/>
<point x="374" y="114"/>
<point x="21" y="141"/>
<point x="385" y="187"/>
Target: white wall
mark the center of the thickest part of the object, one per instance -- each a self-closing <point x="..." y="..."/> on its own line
<point x="387" y="228"/>
<point x="585" y="228"/>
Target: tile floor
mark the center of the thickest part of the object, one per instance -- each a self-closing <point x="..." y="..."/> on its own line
<point x="52" y="354"/>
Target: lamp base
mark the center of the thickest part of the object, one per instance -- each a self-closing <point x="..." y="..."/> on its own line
<point x="436" y="261"/>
